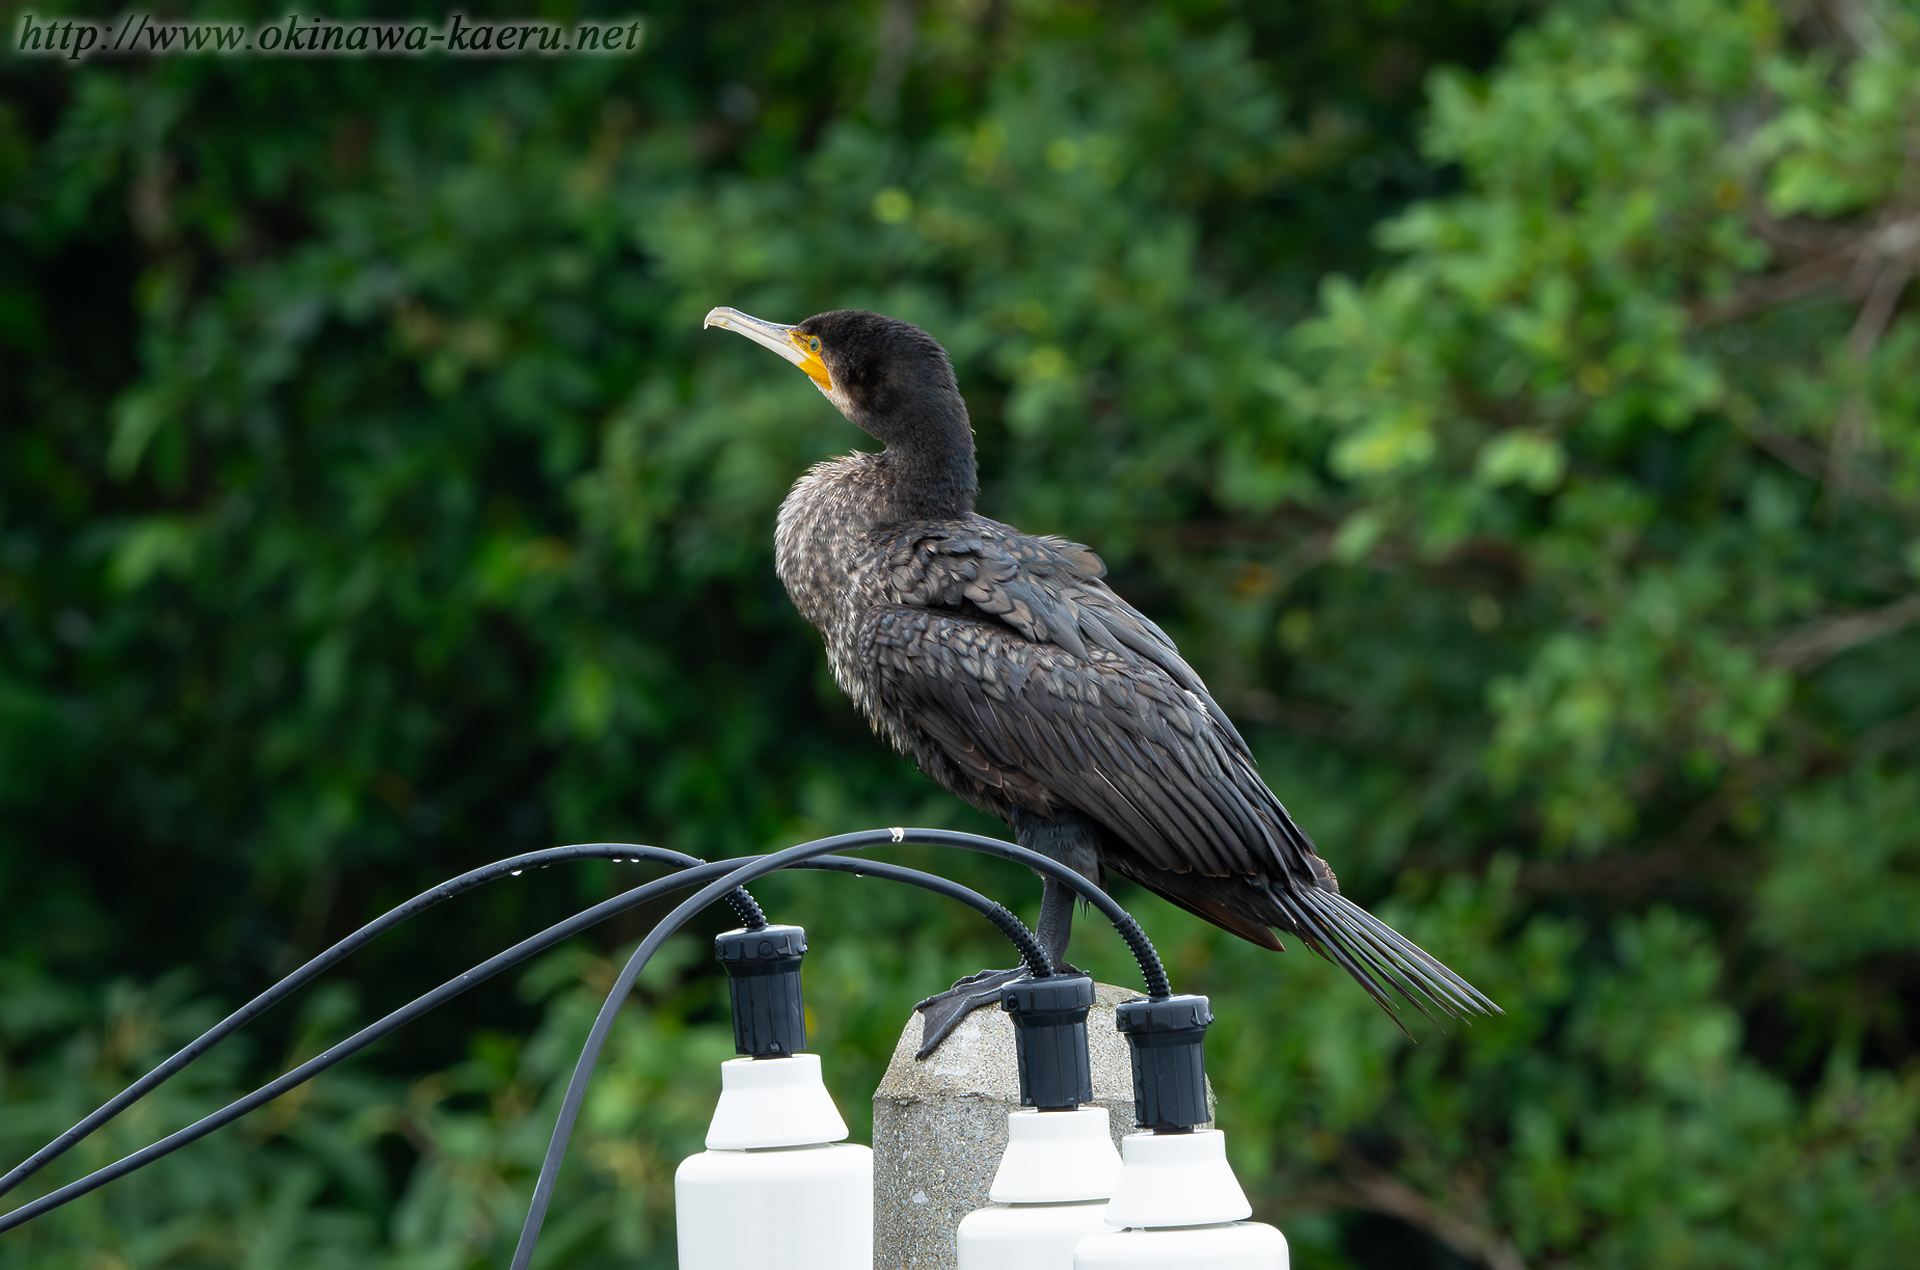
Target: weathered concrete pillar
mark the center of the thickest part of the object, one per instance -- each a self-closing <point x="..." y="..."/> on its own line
<point x="939" y="1126"/>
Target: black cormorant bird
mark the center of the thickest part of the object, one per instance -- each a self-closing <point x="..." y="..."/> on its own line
<point x="1021" y="682"/>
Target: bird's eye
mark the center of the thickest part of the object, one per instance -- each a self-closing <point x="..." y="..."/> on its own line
<point x="813" y="344"/>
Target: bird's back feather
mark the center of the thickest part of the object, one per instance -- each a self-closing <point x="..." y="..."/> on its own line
<point x="1019" y="679"/>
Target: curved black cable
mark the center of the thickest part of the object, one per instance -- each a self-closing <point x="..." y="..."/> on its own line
<point x="1039" y="965"/>
<point x="1151" y="971"/>
<point x="1010" y="925"/>
<point x="748" y="872"/>
<point x="755" y="866"/>
<point x="365" y="1037"/>
<point x="743" y="905"/>
<point x="746" y="908"/>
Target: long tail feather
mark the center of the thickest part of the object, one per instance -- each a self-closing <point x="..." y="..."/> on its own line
<point x="1335" y="951"/>
<point x="1378" y="956"/>
<point x="1395" y="969"/>
<point x="1405" y="960"/>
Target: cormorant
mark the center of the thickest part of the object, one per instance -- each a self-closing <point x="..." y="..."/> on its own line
<point x="1019" y="681"/>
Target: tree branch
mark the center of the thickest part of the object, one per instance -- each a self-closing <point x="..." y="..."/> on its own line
<point x="1891" y="735"/>
<point x="1381" y="1191"/>
<point x="1820" y="641"/>
<point x="1811" y="463"/>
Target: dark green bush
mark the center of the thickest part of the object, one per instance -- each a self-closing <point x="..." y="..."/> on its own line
<point x="371" y="505"/>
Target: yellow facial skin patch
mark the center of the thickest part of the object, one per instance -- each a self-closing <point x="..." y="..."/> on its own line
<point x="809" y="346"/>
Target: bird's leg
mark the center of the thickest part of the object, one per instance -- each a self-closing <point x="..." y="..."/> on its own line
<point x="1056" y="923"/>
<point x="1068" y="837"/>
<point x="944" y="1011"/>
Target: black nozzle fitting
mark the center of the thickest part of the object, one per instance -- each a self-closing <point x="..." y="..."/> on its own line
<point x="763" y="978"/>
<point x="1169" y="1071"/>
<point x="1050" y="1039"/>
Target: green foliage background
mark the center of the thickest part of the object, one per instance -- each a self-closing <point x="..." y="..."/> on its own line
<point x="1511" y="410"/>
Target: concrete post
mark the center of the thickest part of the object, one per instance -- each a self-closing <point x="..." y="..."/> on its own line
<point x="939" y="1126"/>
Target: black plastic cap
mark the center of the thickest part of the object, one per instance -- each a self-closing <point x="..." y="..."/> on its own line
<point x="763" y="978"/>
<point x="1169" y="1069"/>
<point x="1050" y="1039"/>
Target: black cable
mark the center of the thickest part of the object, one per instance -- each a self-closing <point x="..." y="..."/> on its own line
<point x="744" y="870"/>
<point x="742" y="903"/>
<point x="1150" y="967"/>
<point x="1151" y="971"/>
<point x="1039" y="965"/>
<point x="745" y="908"/>
<point x="1015" y="930"/>
<point x="365" y="1037"/>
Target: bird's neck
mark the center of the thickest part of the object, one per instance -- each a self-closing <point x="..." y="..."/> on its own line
<point x="929" y="473"/>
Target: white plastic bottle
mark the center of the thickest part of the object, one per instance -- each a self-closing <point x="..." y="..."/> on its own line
<point x="1178" y="1206"/>
<point x="1050" y="1191"/>
<point x="1059" y="1165"/>
<point x="776" y="1188"/>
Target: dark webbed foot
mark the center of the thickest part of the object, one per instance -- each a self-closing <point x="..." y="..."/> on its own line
<point x="944" y="1010"/>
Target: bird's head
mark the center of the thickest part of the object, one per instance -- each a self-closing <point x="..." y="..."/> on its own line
<point x="888" y="377"/>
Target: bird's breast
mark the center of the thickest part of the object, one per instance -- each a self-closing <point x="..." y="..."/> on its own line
<point x="827" y="559"/>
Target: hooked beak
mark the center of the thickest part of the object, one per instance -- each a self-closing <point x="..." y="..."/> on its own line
<point x="797" y="347"/>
